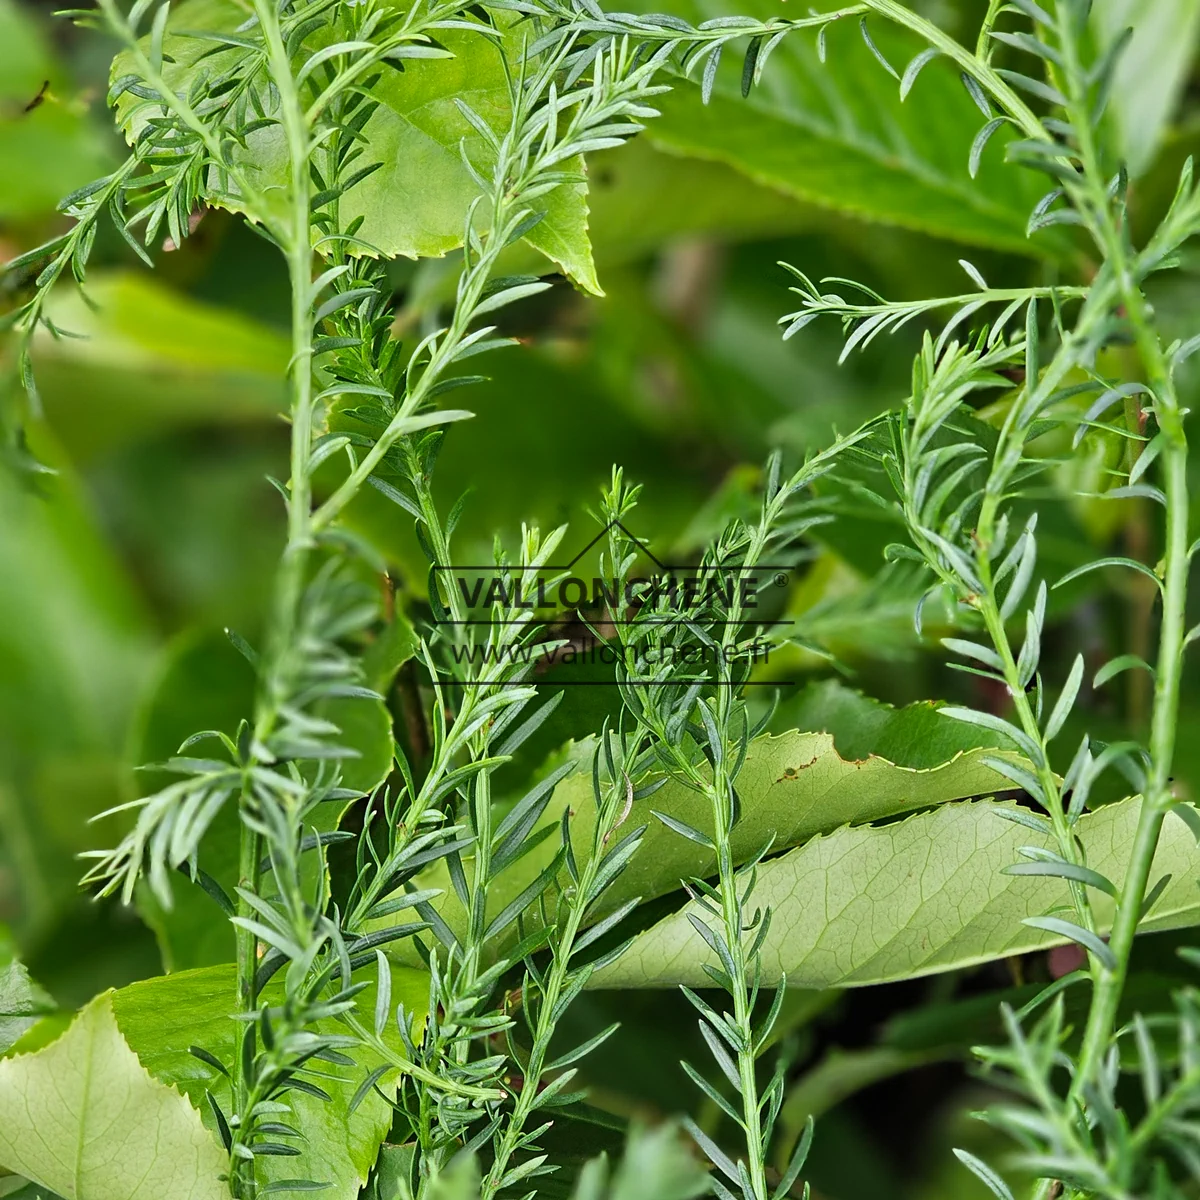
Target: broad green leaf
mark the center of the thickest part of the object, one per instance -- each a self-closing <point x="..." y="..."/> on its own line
<point x="837" y="135"/>
<point x="793" y="787"/>
<point x="416" y="204"/>
<point x="641" y="199"/>
<point x="48" y="146"/>
<point x="83" y="1117"/>
<point x="875" y="904"/>
<point x="160" y="1018"/>
<point x="1151" y="72"/>
<point x="392" y="1172"/>
<point x="915" y="736"/>
<point x="149" y="359"/>
<point x="25" y="1190"/>
<point x="366" y="728"/>
<point x="391" y="649"/>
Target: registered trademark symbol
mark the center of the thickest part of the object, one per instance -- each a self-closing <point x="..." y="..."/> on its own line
<point x="781" y="579"/>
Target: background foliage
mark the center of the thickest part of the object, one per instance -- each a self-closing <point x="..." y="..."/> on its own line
<point x="118" y="576"/>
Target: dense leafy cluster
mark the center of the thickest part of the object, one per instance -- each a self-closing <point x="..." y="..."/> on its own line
<point x="418" y="901"/>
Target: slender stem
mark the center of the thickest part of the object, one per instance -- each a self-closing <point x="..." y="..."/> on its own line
<point x="556" y="981"/>
<point x="442" y="356"/>
<point x="731" y="914"/>
<point x="515" y="172"/>
<point x="290" y="578"/>
<point x="94" y="206"/>
<point x="1089" y="194"/>
<point x="983" y="44"/>
<point x="857" y="312"/>
<point x="480" y="879"/>
<point x="719" y="791"/>
<point x="732" y="908"/>
<point x="979" y="68"/>
<point x="1055" y="809"/>
<point x="438" y="541"/>
<point x="437" y="1083"/>
<point x="621" y="24"/>
<point x="299" y="255"/>
<point x="250" y="858"/>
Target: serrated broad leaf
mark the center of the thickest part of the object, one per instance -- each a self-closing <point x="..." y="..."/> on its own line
<point x="915" y="735"/>
<point x="83" y="1117"/>
<point x="881" y="903"/>
<point x="416" y="203"/>
<point x="793" y="786"/>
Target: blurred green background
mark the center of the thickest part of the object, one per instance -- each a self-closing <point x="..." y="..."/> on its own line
<point x="118" y="574"/>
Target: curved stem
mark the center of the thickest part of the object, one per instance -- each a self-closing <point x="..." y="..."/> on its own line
<point x="983" y="44"/>
<point x="406" y="1067"/>
<point x="443" y="355"/>
<point x="985" y="75"/>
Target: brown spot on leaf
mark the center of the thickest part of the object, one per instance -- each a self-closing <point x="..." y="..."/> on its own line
<point x="790" y="773"/>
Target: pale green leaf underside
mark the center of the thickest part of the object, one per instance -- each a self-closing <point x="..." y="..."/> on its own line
<point x="83" y="1118"/>
<point x="416" y="202"/>
<point x="793" y="787"/>
<point x="875" y="904"/>
<point x="161" y="1017"/>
